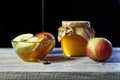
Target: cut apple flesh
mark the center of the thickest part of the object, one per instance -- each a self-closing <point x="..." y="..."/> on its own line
<point x="23" y="37"/>
<point x="26" y="45"/>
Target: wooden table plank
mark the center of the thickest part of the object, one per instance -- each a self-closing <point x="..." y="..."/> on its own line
<point x="61" y="68"/>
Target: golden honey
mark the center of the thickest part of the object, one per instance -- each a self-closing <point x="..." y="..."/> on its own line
<point x="73" y="36"/>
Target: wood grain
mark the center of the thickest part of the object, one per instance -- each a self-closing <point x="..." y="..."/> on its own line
<point x="61" y="68"/>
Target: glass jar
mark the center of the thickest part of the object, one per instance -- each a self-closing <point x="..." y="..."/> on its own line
<point x="73" y="36"/>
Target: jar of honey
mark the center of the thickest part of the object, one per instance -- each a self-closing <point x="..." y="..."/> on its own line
<point x="74" y="36"/>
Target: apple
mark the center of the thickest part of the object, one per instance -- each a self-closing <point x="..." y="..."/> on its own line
<point x="46" y="36"/>
<point x="99" y="49"/>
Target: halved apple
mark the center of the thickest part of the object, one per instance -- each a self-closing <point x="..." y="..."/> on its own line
<point x="24" y="42"/>
<point x="23" y="37"/>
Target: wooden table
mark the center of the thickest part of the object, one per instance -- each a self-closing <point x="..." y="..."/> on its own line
<point x="61" y="68"/>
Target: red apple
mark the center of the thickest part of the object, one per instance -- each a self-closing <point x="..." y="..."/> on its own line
<point x="99" y="49"/>
<point x="46" y="44"/>
<point x="46" y="36"/>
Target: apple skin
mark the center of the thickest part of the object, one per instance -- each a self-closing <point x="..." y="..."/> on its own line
<point x="99" y="49"/>
<point x="47" y="36"/>
<point x="46" y="44"/>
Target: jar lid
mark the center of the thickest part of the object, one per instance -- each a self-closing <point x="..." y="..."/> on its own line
<point x="76" y="23"/>
<point x="81" y="28"/>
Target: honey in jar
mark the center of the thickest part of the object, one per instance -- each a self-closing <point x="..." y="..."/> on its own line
<point x="74" y="36"/>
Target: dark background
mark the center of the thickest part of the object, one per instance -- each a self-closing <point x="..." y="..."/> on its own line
<point x="24" y="16"/>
